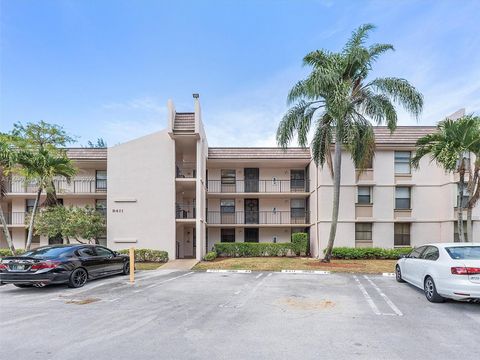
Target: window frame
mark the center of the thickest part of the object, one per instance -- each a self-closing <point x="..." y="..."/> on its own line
<point x="223" y="236"/>
<point x="370" y="191"/>
<point x="363" y="231"/>
<point x="228" y="179"/>
<point x="403" y="198"/>
<point x="298" y="211"/>
<point x="399" y="161"/>
<point x="100" y="180"/>
<point x="402" y="234"/>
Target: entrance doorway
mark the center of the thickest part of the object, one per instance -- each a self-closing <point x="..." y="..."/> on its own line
<point x="251" y="211"/>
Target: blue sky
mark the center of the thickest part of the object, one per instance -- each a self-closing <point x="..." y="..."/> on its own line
<point x="107" y="68"/>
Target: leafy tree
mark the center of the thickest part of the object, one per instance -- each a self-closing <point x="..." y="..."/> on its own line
<point x="449" y="146"/>
<point x="83" y="224"/>
<point x="339" y="101"/>
<point x="100" y="143"/>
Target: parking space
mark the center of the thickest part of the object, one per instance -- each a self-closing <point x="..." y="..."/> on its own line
<point x="197" y="315"/>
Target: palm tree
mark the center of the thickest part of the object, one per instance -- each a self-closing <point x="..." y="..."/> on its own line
<point x="42" y="166"/>
<point x="6" y="161"/>
<point x="448" y="147"/>
<point x="339" y="101"/>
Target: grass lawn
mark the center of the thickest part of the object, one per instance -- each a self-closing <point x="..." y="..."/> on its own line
<point x="147" y="265"/>
<point x="298" y="263"/>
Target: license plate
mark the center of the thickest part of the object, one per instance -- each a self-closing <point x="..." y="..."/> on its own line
<point x="16" y="267"/>
<point x="475" y="278"/>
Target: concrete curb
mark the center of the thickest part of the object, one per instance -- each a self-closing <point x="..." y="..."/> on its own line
<point x="317" y="272"/>
<point x="229" y="271"/>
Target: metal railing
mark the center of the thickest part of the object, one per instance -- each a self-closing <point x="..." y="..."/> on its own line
<point x="15" y="218"/>
<point x="258" y="217"/>
<point x="183" y="211"/>
<point x="62" y="186"/>
<point x="258" y="186"/>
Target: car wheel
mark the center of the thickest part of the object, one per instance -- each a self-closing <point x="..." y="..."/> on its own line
<point x="398" y="274"/>
<point x="126" y="268"/>
<point x="78" y="278"/>
<point x="431" y="291"/>
<point x="23" y="285"/>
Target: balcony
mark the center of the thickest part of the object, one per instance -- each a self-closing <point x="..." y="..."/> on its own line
<point x="15" y="218"/>
<point x="259" y="186"/>
<point x="184" y="211"/>
<point x="185" y="172"/>
<point x="258" y="218"/>
<point x="62" y="186"/>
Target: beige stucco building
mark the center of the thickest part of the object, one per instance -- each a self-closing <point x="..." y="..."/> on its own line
<point x="170" y="191"/>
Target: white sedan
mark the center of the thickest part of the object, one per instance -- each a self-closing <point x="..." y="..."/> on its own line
<point x="448" y="270"/>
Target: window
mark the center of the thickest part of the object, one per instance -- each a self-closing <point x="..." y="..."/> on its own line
<point x="402" y="234"/>
<point x="86" y="252"/>
<point x="101" y="206"/>
<point x="416" y="253"/>
<point x="431" y="253"/>
<point x="35" y="238"/>
<point x="104" y="252"/>
<point x="402" y="198"/>
<point x="227" y="235"/>
<point x="297" y="180"/>
<point x="364" y="195"/>
<point x="464" y="252"/>
<point x="465" y="196"/>
<point x="29" y="204"/>
<point x="363" y="232"/>
<point x="228" y="176"/>
<point x="227" y="206"/>
<point x="101" y="180"/>
<point x="402" y="162"/>
<point x="297" y="207"/>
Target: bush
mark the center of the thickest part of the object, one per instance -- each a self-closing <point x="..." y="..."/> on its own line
<point x="148" y="255"/>
<point x="300" y="243"/>
<point x="210" y="256"/>
<point x="7" y="252"/>
<point x="254" y="249"/>
<point x="368" y="253"/>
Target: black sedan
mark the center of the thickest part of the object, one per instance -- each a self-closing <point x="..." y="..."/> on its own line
<point x="62" y="264"/>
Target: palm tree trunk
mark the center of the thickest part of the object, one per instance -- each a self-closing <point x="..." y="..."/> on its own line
<point x="337" y="167"/>
<point x="32" y="220"/>
<point x="461" y="187"/>
<point x="6" y="232"/>
<point x="469" y="224"/>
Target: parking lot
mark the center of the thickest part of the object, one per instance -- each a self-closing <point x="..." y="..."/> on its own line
<point x="199" y="315"/>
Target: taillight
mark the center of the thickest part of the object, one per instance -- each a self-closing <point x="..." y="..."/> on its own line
<point x="465" y="270"/>
<point x="3" y="266"/>
<point x="45" y="265"/>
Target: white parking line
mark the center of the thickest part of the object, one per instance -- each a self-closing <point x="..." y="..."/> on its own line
<point x="316" y="272"/>
<point x="229" y="271"/>
<point x="385" y="297"/>
<point x="250" y="295"/>
<point x="256" y="277"/>
<point x="163" y="282"/>
<point x="367" y="297"/>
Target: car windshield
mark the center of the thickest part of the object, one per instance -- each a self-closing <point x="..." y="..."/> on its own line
<point x="464" y="252"/>
<point x="48" y="252"/>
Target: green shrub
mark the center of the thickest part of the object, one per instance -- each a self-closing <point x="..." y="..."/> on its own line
<point x="300" y="243"/>
<point x="254" y="249"/>
<point x="148" y="255"/>
<point x="368" y="253"/>
<point x="7" y="252"/>
<point x="210" y="256"/>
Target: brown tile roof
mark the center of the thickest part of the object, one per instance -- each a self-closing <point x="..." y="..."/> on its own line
<point x="87" y="153"/>
<point x="184" y="122"/>
<point x="258" y="153"/>
<point x="403" y="135"/>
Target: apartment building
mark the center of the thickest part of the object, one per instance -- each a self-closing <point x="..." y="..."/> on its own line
<point x="169" y="190"/>
<point x="87" y="187"/>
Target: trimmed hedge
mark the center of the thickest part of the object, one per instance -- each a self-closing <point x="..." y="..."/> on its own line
<point x="368" y="253"/>
<point x="148" y="255"/>
<point x="300" y="243"/>
<point x="241" y="249"/>
<point x="7" y="252"/>
<point x="210" y="256"/>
